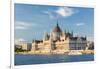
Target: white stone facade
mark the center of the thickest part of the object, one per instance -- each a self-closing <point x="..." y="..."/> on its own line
<point x="58" y="41"/>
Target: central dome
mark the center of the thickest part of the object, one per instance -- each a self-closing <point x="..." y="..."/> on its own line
<point x="57" y="28"/>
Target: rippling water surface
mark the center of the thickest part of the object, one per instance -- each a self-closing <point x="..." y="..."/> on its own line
<point x="43" y="59"/>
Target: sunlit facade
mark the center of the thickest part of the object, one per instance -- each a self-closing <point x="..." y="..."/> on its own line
<point x="58" y="42"/>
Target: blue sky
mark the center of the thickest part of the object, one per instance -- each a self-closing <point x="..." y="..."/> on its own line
<point x="31" y="21"/>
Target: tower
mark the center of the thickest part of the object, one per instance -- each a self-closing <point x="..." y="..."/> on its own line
<point x="46" y="36"/>
<point x="56" y="32"/>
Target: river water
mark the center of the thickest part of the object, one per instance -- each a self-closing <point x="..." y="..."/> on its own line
<point x="45" y="59"/>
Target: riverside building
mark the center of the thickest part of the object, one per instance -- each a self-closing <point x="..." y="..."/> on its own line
<point x="58" y="41"/>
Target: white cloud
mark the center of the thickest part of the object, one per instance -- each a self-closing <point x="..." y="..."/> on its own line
<point x="60" y="12"/>
<point x="23" y="25"/>
<point x="65" y="11"/>
<point x="20" y="27"/>
<point x="18" y="40"/>
<point x="50" y="14"/>
<point x="80" y="24"/>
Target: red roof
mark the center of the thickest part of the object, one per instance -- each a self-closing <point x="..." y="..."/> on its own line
<point x="57" y="29"/>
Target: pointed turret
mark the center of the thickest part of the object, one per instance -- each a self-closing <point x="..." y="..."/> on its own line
<point x="72" y="33"/>
<point x="46" y="36"/>
<point x="57" y="28"/>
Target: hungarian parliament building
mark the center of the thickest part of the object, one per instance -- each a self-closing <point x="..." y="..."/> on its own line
<point x="58" y="41"/>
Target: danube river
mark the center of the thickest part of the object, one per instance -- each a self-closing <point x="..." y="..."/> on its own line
<point x="44" y="59"/>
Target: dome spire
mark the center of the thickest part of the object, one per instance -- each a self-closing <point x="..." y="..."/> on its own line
<point x="57" y="28"/>
<point x="57" y="24"/>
